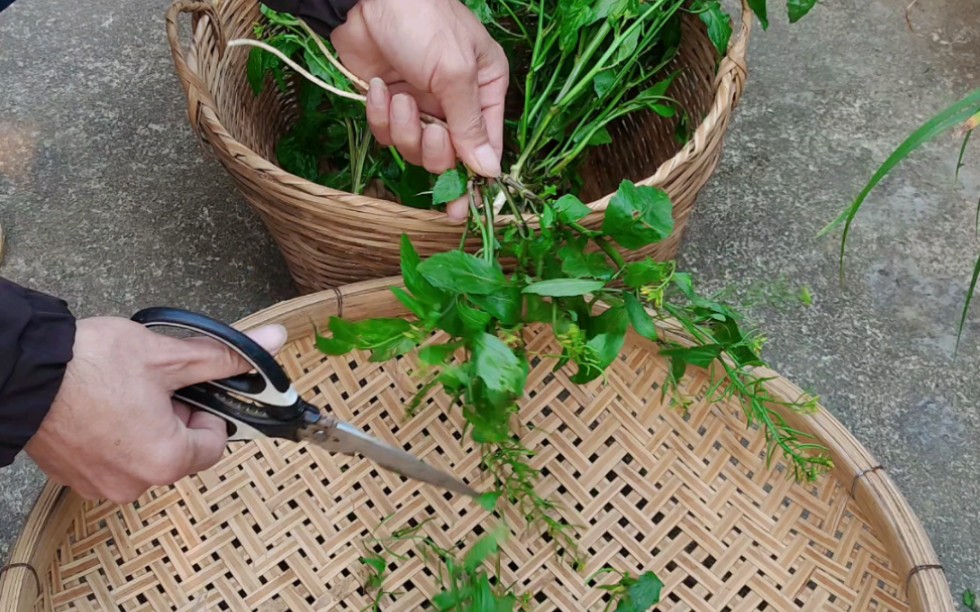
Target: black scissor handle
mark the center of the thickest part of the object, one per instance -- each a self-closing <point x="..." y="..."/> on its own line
<point x="269" y="387"/>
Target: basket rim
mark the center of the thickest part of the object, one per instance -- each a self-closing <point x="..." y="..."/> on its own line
<point x="728" y="83"/>
<point x="887" y="510"/>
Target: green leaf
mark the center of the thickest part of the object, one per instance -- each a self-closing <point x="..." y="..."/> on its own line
<point x="370" y="333"/>
<point x="332" y="346"/>
<point x="504" y="304"/>
<point x="698" y="356"/>
<point x="718" y="22"/>
<point x="600" y="137"/>
<point x="603" y="82"/>
<point x="255" y="70"/>
<point x="448" y="600"/>
<point x="564" y="287"/>
<point x="450" y="322"/>
<point x="539" y="310"/>
<point x="970" y="600"/>
<point x="642" y="594"/>
<point x="614" y="8"/>
<point x="684" y="282"/>
<point x="449" y="186"/>
<point x="570" y="209"/>
<point x="639" y="317"/>
<point x="497" y="365"/>
<point x="798" y="9"/>
<point x="945" y="120"/>
<point x="296" y="158"/>
<point x="484" y="547"/>
<point x="966" y="304"/>
<point x="413" y="305"/>
<point x="410" y="185"/>
<point x="571" y="16"/>
<point x="488" y="501"/>
<point x="647" y="272"/>
<point x="638" y="216"/>
<point x="438" y="354"/>
<point x="376" y="563"/>
<point x="608" y="334"/>
<point x="461" y="272"/>
<point x="627" y="45"/>
<point x="473" y="320"/>
<point x="657" y="91"/>
<point x="577" y="264"/>
<point x="759" y="8"/>
<point x="414" y="281"/>
<point x="481" y="9"/>
<point x="395" y="347"/>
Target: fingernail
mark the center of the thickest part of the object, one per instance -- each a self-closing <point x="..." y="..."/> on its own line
<point x="401" y="108"/>
<point x="376" y="92"/>
<point x="458" y="210"/>
<point x="271" y="337"/>
<point x="487" y="158"/>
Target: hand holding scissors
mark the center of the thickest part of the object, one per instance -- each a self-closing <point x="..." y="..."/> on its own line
<point x="265" y="404"/>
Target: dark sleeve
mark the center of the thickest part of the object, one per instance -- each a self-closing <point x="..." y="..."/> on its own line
<point x="321" y="15"/>
<point x="37" y="335"/>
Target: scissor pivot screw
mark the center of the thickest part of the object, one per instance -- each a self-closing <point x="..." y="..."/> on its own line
<point x="320" y="435"/>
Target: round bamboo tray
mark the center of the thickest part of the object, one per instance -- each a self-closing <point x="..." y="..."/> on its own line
<point x="280" y="526"/>
<point x="330" y="238"/>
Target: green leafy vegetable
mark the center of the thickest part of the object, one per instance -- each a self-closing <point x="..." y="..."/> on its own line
<point x="718" y="22"/>
<point x="564" y="287"/>
<point x="799" y="8"/>
<point x="637" y="216"/>
<point x="450" y="186"/>
<point x="459" y="272"/>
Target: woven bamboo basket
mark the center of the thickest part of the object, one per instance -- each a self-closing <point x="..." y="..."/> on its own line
<point x="277" y="526"/>
<point x="330" y="238"/>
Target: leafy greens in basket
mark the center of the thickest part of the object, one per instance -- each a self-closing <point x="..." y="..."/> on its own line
<point x="578" y="67"/>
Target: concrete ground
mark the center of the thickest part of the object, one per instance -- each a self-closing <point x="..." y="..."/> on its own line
<point x="107" y="201"/>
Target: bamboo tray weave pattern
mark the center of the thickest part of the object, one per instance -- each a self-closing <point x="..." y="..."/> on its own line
<point x="280" y="526"/>
<point x="330" y="238"/>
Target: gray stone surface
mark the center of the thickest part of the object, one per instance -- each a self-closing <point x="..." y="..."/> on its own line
<point x="108" y="201"/>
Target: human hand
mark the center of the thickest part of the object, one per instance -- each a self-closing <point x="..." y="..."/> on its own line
<point x="114" y="430"/>
<point x="432" y="56"/>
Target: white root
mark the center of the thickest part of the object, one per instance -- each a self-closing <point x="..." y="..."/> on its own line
<point x="247" y="42"/>
<point x="330" y="58"/>
<point x="499" y="201"/>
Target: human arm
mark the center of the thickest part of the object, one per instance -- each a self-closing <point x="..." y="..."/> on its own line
<point x="37" y="334"/>
<point x="90" y="400"/>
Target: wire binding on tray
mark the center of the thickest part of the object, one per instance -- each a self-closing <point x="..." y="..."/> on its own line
<point x="862" y="474"/>
<point x="10" y="566"/>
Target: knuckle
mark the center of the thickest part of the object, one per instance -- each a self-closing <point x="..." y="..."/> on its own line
<point x="124" y="494"/>
<point x="451" y="72"/>
<point x="473" y="124"/>
<point x="164" y="467"/>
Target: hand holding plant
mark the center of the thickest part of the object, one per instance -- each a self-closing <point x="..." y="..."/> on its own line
<point x="438" y="55"/>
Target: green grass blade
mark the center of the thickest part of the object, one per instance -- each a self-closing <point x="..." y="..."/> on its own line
<point x="959" y="160"/>
<point x="945" y="120"/>
<point x="966" y="304"/>
<point x="976" y="222"/>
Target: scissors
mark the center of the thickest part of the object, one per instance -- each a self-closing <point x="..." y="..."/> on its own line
<point x="265" y="404"/>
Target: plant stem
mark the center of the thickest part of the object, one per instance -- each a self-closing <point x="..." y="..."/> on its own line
<point x="246" y="42"/>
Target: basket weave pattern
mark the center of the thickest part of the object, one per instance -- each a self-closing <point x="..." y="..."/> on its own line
<point x="277" y="526"/>
<point x="331" y="238"/>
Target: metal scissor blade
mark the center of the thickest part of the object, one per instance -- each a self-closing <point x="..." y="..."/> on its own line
<point x="337" y="436"/>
